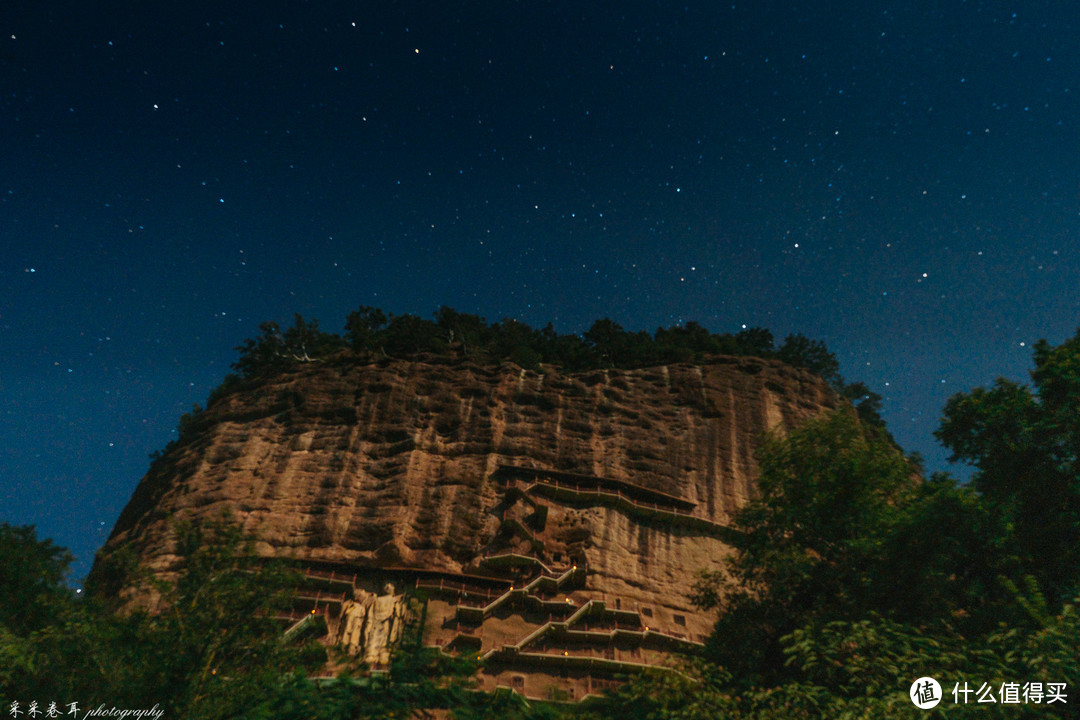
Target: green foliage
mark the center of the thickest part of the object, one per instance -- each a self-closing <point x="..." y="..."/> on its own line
<point x="275" y="350"/>
<point x="471" y="331"/>
<point x="51" y="641"/>
<point x="32" y="573"/>
<point x="32" y="597"/>
<point x="216" y="649"/>
<point x="944" y="561"/>
<point x="863" y="669"/>
<point x="371" y="332"/>
<point x="843" y="528"/>
<point x="831" y="494"/>
<point x="213" y="649"/>
<point x="1025" y="446"/>
<point x="753" y="341"/>
<point x="695" y="690"/>
<point x="854" y="577"/>
<point x="812" y="355"/>
<point x="867" y="403"/>
<point x="610" y="342"/>
<point x="409" y="334"/>
<point x="362" y="328"/>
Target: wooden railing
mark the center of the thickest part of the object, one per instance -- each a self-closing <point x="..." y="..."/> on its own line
<point x="479" y="612"/>
<point x="641" y="633"/>
<point x="617" y="498"/>
<point x="595" y="481"/>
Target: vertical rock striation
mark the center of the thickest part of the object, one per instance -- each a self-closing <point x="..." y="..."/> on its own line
<point x="555" y="522"/>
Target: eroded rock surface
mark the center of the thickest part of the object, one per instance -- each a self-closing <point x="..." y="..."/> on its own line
<point x="459" y="478"/>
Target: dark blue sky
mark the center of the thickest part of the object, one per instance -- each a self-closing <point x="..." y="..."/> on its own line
<point x="898" y="179"/>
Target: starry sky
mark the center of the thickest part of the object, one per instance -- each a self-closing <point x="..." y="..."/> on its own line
<point x="898" y="179"/>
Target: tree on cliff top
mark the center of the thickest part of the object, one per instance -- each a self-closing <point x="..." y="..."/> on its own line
<point x="605" y="344"/>
<point x="275" y="350"/>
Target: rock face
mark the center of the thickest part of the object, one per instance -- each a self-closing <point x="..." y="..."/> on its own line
<point x="553" y="522"/>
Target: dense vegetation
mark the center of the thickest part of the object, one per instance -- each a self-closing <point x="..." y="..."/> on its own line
<point x="371" y="333"/>
<point x="853" y="577"/>
<point x="215" y="650"/>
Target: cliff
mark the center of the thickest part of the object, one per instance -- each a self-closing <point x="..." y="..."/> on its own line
<point x="555" y="522"/>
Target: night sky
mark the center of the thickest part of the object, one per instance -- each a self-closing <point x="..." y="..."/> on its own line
<point x="898" y="179"/>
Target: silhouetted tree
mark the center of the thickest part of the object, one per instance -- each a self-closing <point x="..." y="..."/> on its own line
<point x="803" y="352"/>
<point x="362" y="328"/>
<point x="753" y="341"/>
<point x="609" y="341"/>
<point x="1025" y="446"/>
<point x="304" y="342"/>
<point x="410" y="334"/>
<point x="274" y="350"/>
<point x="471" y="332"/>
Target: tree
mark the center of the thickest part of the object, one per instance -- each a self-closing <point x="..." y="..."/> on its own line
<point x="362" y="328"/>
<point x="569" y="351"/>
<point x="608" y="340"/>
<point x="844" y="528"/>
<point x="470" y="331"/>
<point x="803" y="352"/>
<point x="605" y="345"/>
<point x="32" y="575"/>
<point x="867" y="403"/>
<point x="215" y="647"/>
<point x="54" y="642"/>
<point x="263" y="354"/>
<point x="811" y="545"/>
<point x="753" y="341"/>
<point x="409" y="334"/>
<point x="274" y="350"/>
<point x="517" y="342"/>
<point x="32" y="593"/>
<point x="1024" y="443"/>
<point x="304" y="342"/>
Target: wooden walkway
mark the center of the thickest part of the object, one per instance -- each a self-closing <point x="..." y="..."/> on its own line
<point x="576" y="493"/>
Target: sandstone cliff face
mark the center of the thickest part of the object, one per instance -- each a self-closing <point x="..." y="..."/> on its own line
<point x="619" y="482"/>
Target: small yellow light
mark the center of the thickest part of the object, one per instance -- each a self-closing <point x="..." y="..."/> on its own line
<point x="565" y="653"/>
<point x="312" y="611"/>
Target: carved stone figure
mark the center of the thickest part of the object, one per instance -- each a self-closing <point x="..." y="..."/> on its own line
<point x="371" y="624"/>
